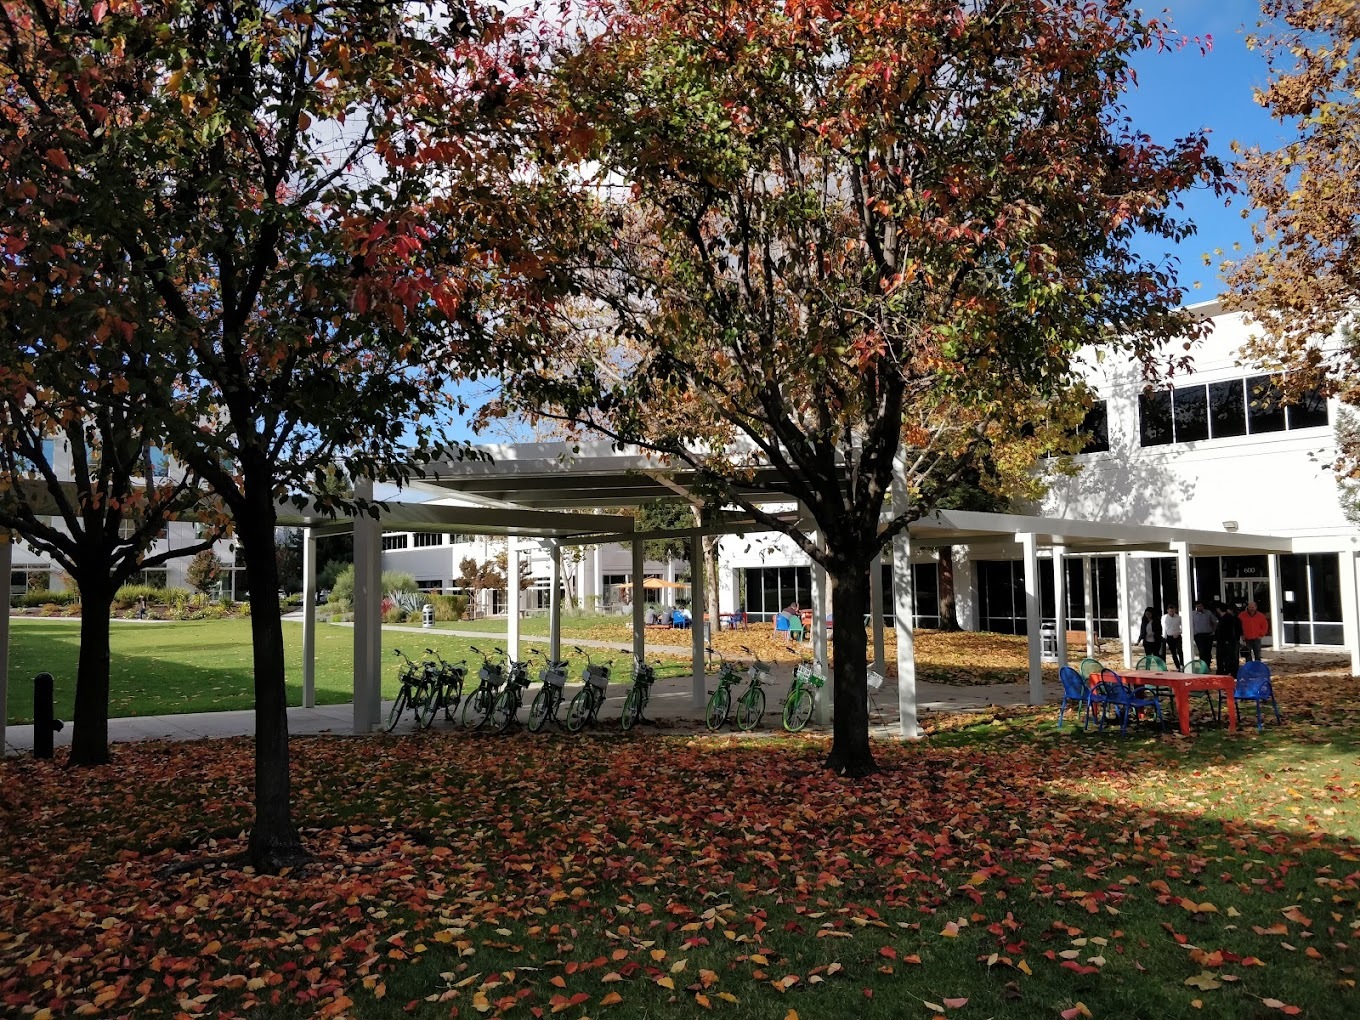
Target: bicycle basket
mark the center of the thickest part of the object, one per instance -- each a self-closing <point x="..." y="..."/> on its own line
<point x="553" y="677"/>
<point x="759" y="675"/>
<point x="597" y="676"/>
<point x="490" y="675"/>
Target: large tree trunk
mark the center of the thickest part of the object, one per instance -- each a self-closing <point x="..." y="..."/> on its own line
<point x="850" y="751"/>
<point x="711" y="585"/>
<point x="90" y="729"/>
<point x="274" y="843"/>
<point x="949" y="613"/>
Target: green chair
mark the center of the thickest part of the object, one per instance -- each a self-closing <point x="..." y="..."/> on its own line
<point x="1202" y="667"/>
<point x="1151" y="662"/>
<point x="1198" y="666"/>
<point x="1089" y="666"/>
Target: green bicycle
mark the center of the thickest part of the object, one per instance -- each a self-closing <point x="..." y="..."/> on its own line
<point x="448" y="680"/>
<point x="506" y="710"/>
<point x="549" y="696"/>
<point x="477" y="708"/>
<point x="418" y="692"/>
<point x="751" y="703"/>
<point x="585" y="707"/>
<point x="720" y="701"/>
<point x="644" y="675"/>
<point x="802" y="699"/>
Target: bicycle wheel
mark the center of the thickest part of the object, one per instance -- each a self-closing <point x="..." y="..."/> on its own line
<point x="798" y="709"/>
<point x="719" y="704"/>
<point x="579" y="712"/>
<point x="632" y="708"/>
<point x="750" y="707"/>
<point x="472" y="712"/>
<point x="398" y="707"/>
<point x="453" y="695"/>
<point x="543" y="709"/>
<point x="505" y="710"/>
<point x="426" y="704"/>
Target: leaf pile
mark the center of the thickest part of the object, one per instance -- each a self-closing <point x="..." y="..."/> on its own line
<point x="467" y="877"/>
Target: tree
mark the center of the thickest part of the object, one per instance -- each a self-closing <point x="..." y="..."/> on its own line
<point x="288" y="556"/>
<point x="1302" y="283"/>
<point x="79" y="486"/>
<point x="474" y="578"/>
<point x="204" y="572"/>
<point x="302" y="211"/>
<point x="665" y="515"/>
<point x="829" y="237"/>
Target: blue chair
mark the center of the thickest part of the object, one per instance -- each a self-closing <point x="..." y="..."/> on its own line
<point x="1075" y="689"/>
<point x="1253" y="684"/>
<point x="1113" y="689"/>
<point x="678" y="619"/>
<point x="781" y="622"/>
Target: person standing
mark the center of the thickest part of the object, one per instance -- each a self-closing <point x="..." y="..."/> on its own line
<point x="1255" y="626"/>
<point x="1150" y="632"/>
<point x="1202" y="626"/>
<point x="1226" y="636"/>
<point x="1171" y="633"/>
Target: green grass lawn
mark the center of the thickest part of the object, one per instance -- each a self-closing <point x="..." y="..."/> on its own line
<point x="995" y="870"/>
<point x="202" y="666"/>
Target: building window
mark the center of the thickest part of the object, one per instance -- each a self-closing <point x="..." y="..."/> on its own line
<point x="434" y="585"/>
<point x="1227" y="410"/>
<point x="1190" y="409"/>
<point x="1265" y="413"/>
<point x="1095" y="429"/>
<point x="425" y="539"/>
<point x="1154" y="418"/>
<point x="769" y="590"/>
<point x="390" y="542"/>
<point x="1308" y="412"/>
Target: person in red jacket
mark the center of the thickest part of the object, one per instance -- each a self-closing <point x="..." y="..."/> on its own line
<point x="1255" y="626"/>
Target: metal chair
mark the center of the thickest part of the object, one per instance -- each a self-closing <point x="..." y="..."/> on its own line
<point x="1114" y="690"/>
<point x="1089" y="666"/>
<point x="1253" y="684"/>
<point x="1075" y="688"/>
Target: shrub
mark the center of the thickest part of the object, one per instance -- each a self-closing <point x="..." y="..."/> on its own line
<point x="448" y="608"/>
<point x="342" y="591"/>
<point x="126" y="597"/>
<point x="204" y="571"/>
<point x="42" y="597"/>
<point x="394" y="615"/>
<point x="393" y="581"/>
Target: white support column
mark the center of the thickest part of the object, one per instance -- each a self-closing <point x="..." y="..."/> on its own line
<point x="367" y="616"/>
<point x="1350" y="615"/>
<point x="1276" y="610"/>
<point x="6" y="565"/>
<point x="512" y="597"/>
<point x="1185" y="598"/>
<point x="639" y="593"/>
<point x="308" y="619"/>
<point x="1060" y="601"/>
<point x="904" y="616"/>
<point x="820" y="592"/>
<point x="1029" y="549"/>
<point x="1125" y="630"/>
<point x="1088" y="600"/>
<point x="876" y="612"/>
<point x="555" y="602"/>
<point x="699" y="599"/>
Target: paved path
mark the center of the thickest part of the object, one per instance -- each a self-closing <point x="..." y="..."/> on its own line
<point x="671" y="705"/>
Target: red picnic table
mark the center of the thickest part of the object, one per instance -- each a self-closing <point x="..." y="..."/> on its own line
<point x="1180" y="685"/>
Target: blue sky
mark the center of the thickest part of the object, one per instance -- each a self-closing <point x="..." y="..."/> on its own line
<point x="1182" y="91"/>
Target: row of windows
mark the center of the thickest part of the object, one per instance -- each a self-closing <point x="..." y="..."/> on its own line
<point x="1222" y="410"/>
<point x="1218" y="410"/>
<point x="422" y="540"/>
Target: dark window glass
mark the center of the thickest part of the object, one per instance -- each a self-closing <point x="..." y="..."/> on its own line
<point x="1154" y="418"/>
<point x="1325" y="588"/>
<point x="925" y="577"/>
<point x="1227" y="410"/>
<point x="1308" y="412"/>
<point x="1265" y="413"/>
<point x="1096" y="429"/>
<point x="1046" y="595"/>
<point x="1208" y="579"/>
<point x="1076" y="591"/>
<point x="994" y="584"/>
<point x="1328" y="634"/>
<point x="1106" y="588"/>
<point x="1294" y="580"/>
<point x="1192" y="413"/>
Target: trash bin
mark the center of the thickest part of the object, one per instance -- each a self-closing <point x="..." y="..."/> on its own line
<point x="428" y="614"/>
<point x="1048" y="642"/>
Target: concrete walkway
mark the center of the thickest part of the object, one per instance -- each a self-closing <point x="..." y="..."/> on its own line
<point x="671" y="706"/>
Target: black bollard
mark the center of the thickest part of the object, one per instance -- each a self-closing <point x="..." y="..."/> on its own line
<point x="44" y="724"/>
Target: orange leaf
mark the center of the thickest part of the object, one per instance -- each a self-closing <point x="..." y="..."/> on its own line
<point x="612" y="999"/>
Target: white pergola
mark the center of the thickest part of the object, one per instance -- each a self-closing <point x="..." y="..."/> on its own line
<point x="542" y="492"/>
